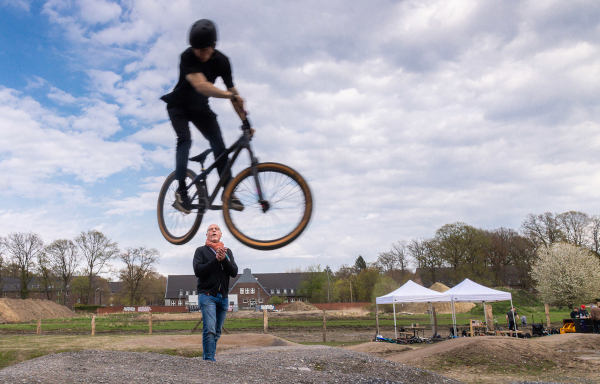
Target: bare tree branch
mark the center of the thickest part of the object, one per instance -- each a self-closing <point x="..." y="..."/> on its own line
<point x="96" y="250"/>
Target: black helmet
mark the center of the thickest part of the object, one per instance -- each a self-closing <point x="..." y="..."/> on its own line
<point x="203" y="34"/>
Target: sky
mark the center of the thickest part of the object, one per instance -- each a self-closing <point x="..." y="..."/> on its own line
<point x="402" y="116"/>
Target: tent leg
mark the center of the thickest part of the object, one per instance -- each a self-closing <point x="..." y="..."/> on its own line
<point x="377" y="317"/>
<point x="485" y="317"/>
<point x="454" y="318"/>
<point x="395" y="329"/>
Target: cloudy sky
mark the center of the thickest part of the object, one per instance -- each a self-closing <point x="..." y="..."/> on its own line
<point x="402" y="115"/>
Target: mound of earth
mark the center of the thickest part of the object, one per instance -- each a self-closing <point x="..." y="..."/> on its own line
<point x="293" y="364"/>
<point x="439" y="307"/>
<point x="20" y="311"/>
<point x="300" y="306"/>
<point x="501" y="352"/>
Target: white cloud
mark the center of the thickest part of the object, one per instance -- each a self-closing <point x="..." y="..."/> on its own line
<point x="98" y="11"/>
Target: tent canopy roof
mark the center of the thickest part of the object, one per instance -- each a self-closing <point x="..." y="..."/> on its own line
<point x="412" y="292"/>
<point x="471" y="292"/>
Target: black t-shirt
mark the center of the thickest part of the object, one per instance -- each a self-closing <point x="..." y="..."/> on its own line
<point x="574" y="314"/>
<point x="510" y="316"/>
<point x="184" y="95"/>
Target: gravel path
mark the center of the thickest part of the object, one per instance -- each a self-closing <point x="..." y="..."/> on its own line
<point x="295" y="364"/>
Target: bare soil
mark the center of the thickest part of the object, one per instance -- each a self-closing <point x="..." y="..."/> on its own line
<point x="567" y="358"/>
<point x="22" y="311"/>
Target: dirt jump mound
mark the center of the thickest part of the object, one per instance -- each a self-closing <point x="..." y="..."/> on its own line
<point x="21" y="311"/>
<point x="300" y="306"/>
<point x="439" y="307"/>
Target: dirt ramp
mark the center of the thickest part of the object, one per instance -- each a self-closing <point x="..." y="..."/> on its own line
<point x="20" y="311"/>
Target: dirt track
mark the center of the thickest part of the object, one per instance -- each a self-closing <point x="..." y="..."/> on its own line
<point x="563" y="358"/>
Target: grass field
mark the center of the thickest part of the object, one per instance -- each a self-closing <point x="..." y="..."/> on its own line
<point x="133" y="323"/>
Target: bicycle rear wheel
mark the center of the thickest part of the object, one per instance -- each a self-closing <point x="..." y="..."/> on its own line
<point x="177" y="227"/>
<point x="288" y="206"/>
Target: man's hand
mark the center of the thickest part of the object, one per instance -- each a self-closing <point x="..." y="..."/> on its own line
<point x="221" y="254"/>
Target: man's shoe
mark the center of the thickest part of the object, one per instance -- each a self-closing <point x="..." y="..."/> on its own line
<point x="182" y="202"/>
<point x="235" y="203"/>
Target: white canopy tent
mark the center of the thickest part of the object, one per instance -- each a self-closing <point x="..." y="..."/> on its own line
<point x="471" y="292"/>
<point x="410" y="292"/>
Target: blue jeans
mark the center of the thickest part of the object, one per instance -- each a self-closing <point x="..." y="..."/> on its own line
<point x="214" y="310"/>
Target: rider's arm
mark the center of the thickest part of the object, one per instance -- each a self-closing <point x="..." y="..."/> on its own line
<point x="238" y="103"/>
<point x="205" y="87"/>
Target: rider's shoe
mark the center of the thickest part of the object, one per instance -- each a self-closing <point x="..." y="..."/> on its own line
<point x="182" y="202"/>
<point x="235" y="203"/>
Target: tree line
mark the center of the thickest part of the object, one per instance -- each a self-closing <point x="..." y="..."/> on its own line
<point x="493" y="257"/>
<point x="78" y="264"/>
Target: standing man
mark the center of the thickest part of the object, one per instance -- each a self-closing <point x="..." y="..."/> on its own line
<point x="213" y="266"/>
<point x="199" y="66"/>
<point x="595" y="315"/>
<point x="510" y="317"/>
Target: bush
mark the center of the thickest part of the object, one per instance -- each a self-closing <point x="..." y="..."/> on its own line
<point x="86" y="308"/>
<point x="275" y="300"/>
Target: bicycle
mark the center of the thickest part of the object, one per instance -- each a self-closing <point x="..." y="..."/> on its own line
<point x="277" y="202"/>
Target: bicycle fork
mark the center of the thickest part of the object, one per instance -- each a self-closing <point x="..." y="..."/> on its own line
<point x="254" y="168"/>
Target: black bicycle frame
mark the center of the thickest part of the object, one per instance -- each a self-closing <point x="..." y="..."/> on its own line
<point x="238" y="146"/>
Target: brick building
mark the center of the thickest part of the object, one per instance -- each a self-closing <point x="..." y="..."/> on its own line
<point x="251" y="288"/>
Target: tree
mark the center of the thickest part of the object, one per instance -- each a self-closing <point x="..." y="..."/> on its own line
<point x="23" y="249"/>
<point x="566" y="274"/>
<point x="64" y="259"/>
<point x="364" y="284"/>
<point x="574" y="226"/>
<point x="45" y="275"/>
<point x="543" y="230"/>
<point x="426" y="255"/>
<point x="595" y="234"/>
<point x="395" y="259"/>
<point x="383" y="286"/>
<point x="140" y="263"/>
<point x="360" y="264"/>
<point x="314" y="284"/>
<point x="2" y="263"/>
<point x="96" y="250"/>
<point x="463" y="248"/>
<point x="155" y="289"/>
<point x="275" y="300"/>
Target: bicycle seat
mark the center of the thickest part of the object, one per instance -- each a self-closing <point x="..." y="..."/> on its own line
<point x="201" y="158"/>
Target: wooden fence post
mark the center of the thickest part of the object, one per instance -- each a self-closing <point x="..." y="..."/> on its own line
<point x="265" y="321"/>
<point x="490" y="316"/>
<point x="547" y="309"/>
<point x="150" y="324"/>
<point x="39" y="327"/>
<point x="324" y="327"/>
<point x="93" y="325"/>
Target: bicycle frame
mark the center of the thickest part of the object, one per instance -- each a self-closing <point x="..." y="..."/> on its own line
<point x="236" y="148"/>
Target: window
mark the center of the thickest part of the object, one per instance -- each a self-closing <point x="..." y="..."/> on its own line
<point x="292" y="290"/>
<point x="247" y="291"/>
<point x="187" y="293"/>
<point x="245" y="301"/>
<point x="260" y="300"/>
<point x="67" y="301"/>
<point x="67" y="293"/>
<point x="193" y="292"/>
<point x="272" y="291"/>
<point x="292" y="300"/>
<point x="278" y="291"/>
<point x="284" y="291"/>
<point x="180" y="302"/>
<point x="285" y="301"/>
<point x="78" y="301"/>
<point x="252" y="290"/>
<point x="241" y="291"/>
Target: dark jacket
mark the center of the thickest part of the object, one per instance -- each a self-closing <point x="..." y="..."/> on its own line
<point x="211" y="273"/>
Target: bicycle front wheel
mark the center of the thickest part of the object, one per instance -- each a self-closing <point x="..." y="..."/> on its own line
<point x="177" y="227"/>
<point x="276" y="221"/>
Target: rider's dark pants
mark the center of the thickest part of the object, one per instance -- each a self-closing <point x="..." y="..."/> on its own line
<point x="206" y="122"/>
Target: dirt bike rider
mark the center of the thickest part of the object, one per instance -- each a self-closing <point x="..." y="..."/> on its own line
<point x="199" y="66"/>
